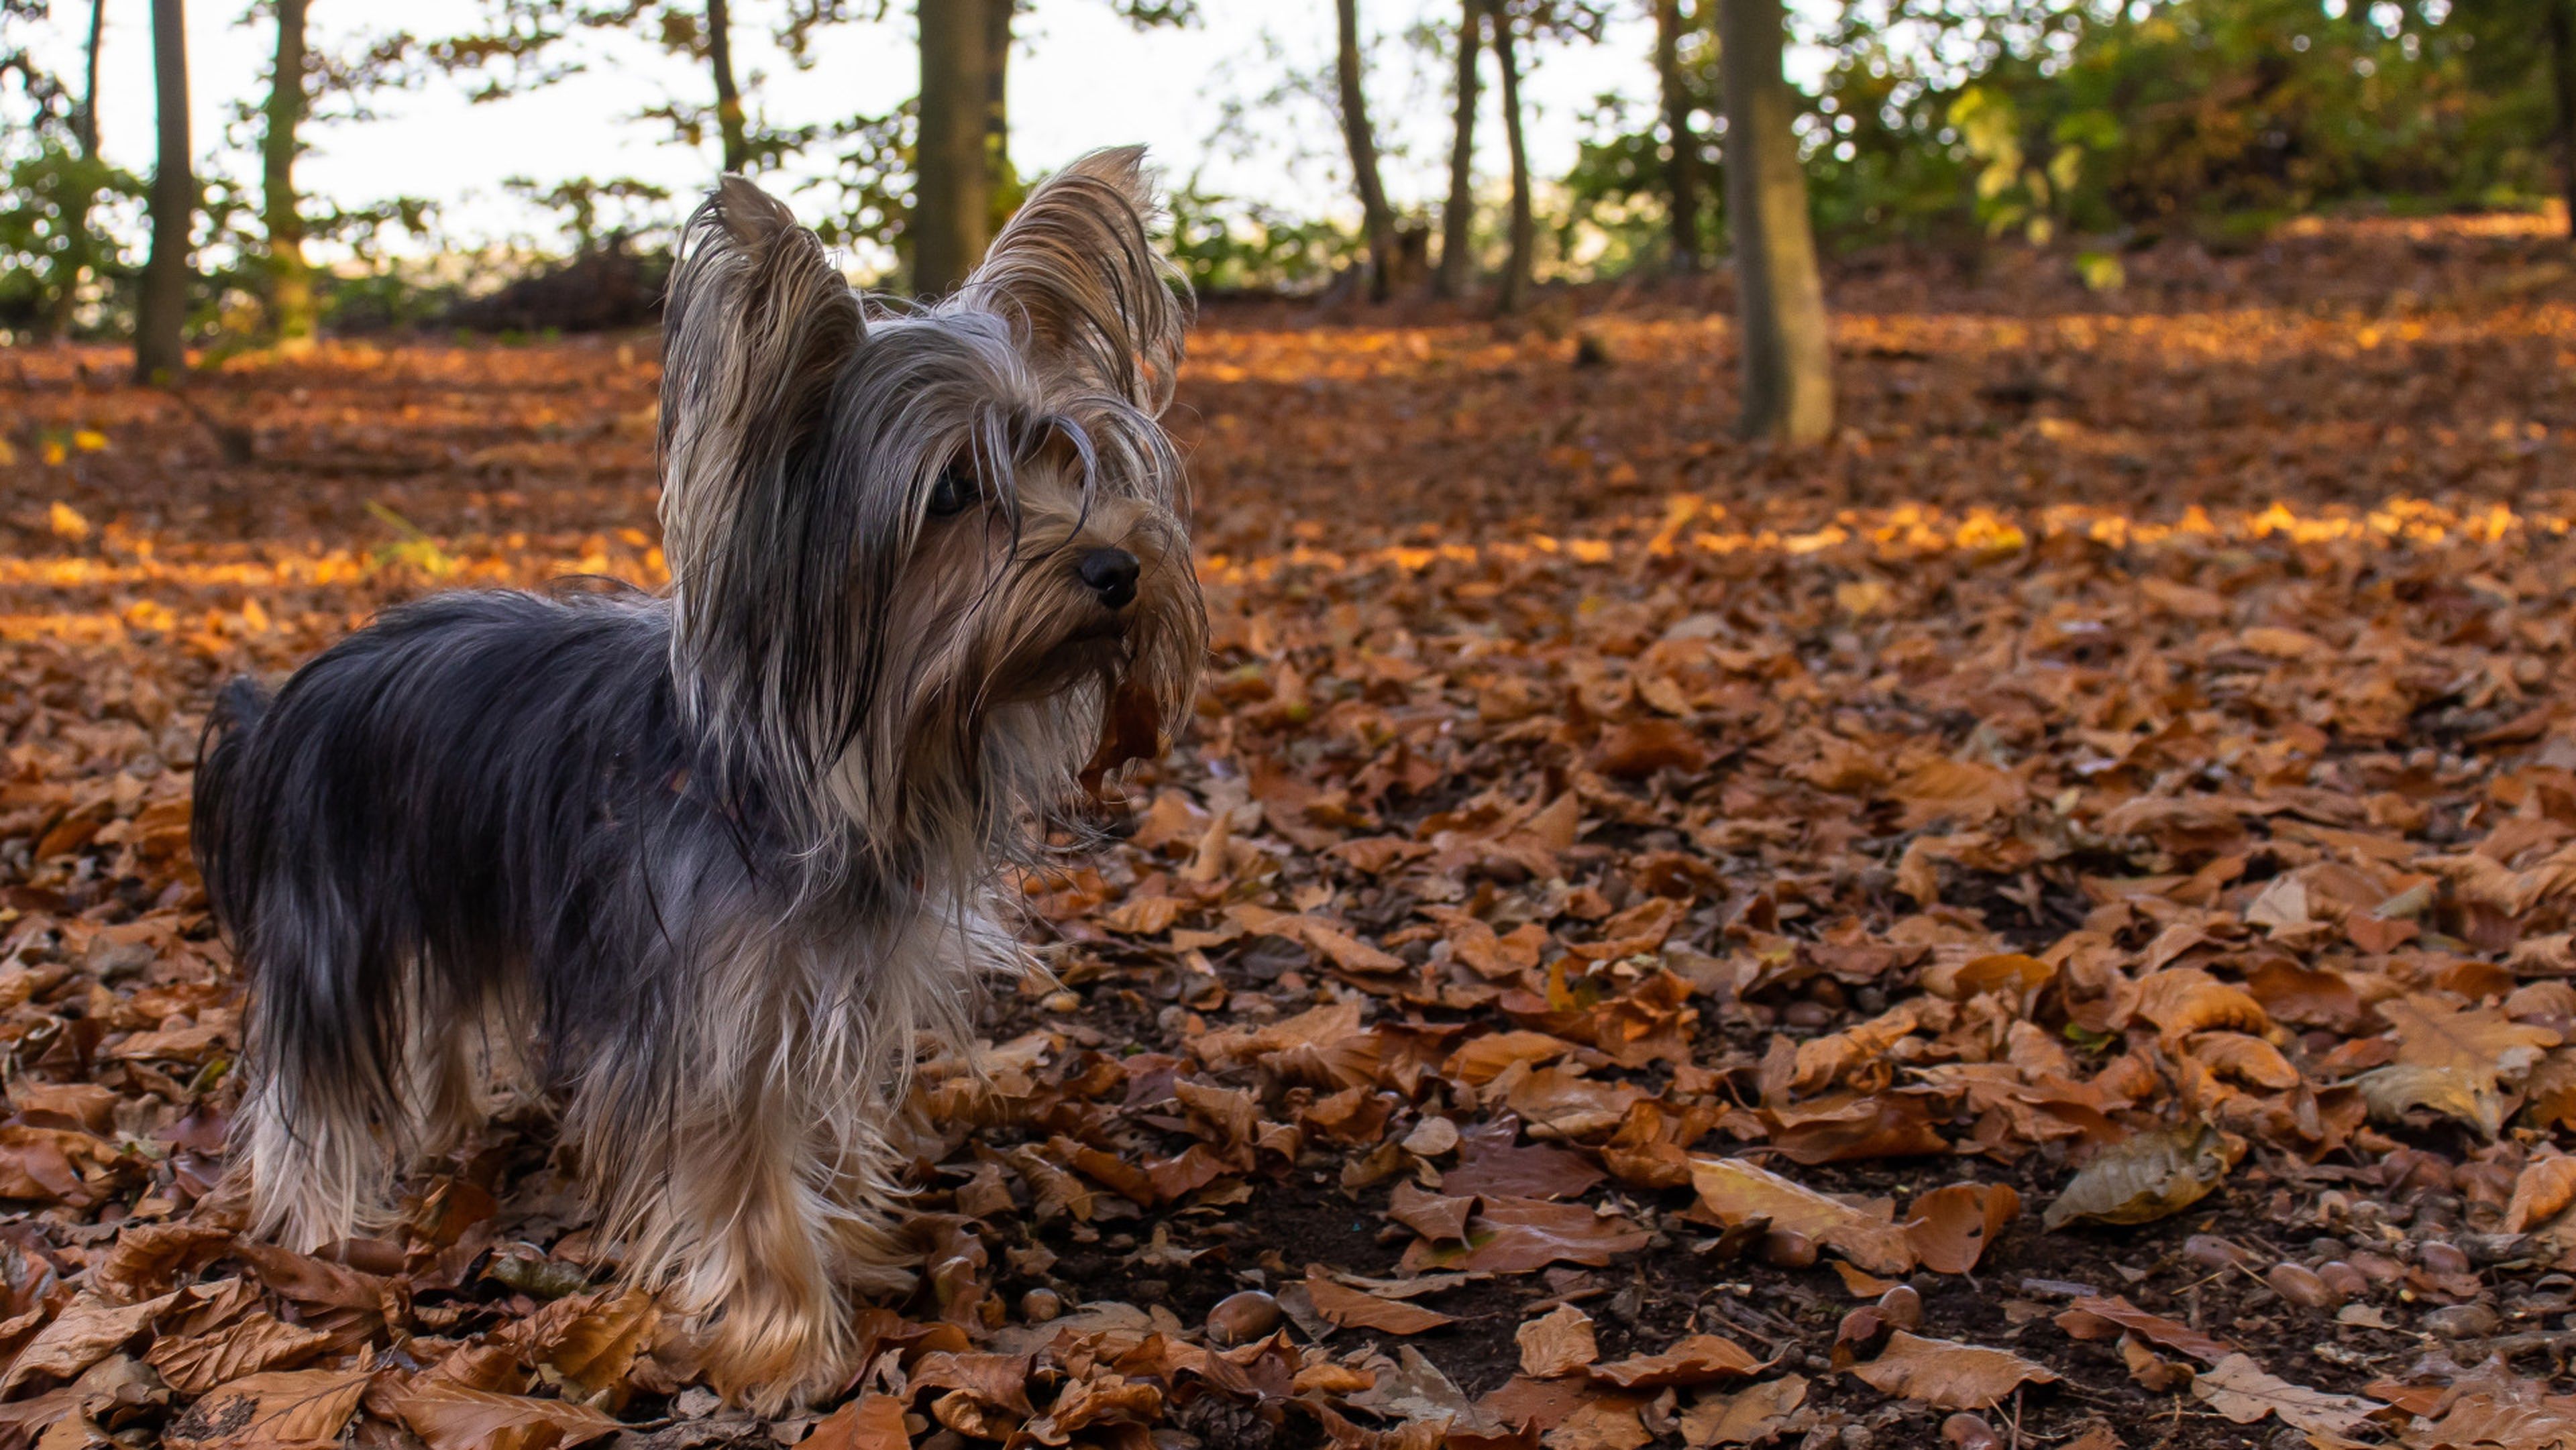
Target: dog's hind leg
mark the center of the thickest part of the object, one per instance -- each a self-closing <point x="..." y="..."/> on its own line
<point x="317" y="1127"/>
<point x="455" y="1051"/>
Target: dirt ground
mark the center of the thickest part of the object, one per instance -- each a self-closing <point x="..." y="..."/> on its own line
<point x="2148" y="722"/>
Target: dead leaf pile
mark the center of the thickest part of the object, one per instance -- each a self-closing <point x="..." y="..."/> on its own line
<point x="1635" y="923"/>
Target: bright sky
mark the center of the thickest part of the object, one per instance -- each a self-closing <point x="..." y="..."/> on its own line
<point x="1081" y="78"/>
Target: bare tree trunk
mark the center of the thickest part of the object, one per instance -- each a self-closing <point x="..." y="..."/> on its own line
<point x="1681" y="172"/>
<point x="161" y="314"/>
<point x="1524" y="226"/>
<point x="737" y="146"/>
<point x="290" y="281"/>
<point x="997" y="89"/>
<point x="1458" y="217"/>
<point x="2562" y="77"/>
<point x="1788" y="352"/>
<point x="80" y="260"/>
<point x="952" y="206"/>
<point x="1377" y="222"/>
<point x="85" y="124"/>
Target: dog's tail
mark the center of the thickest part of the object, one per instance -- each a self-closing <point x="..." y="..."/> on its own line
<point x="239" y="707"/>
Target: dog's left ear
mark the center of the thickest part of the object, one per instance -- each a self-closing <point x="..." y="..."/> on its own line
<point x="1078" y="266"/>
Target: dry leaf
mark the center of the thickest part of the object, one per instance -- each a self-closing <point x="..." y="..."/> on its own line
<point x="870" y="1422"/>
<point x="1514" y="1235"/>
<point x="1736" y="1191"/>
<point x="1950" y="1228"/>
<point x="1696" y="1359"/>
<point x="1556" y="1343"/>
<point x="452" y="1416"/>
<point x="1948" y="1375"/>
<point x="89" y="1330"/>
<point x="198" y="1363"/>
<point x="291" y="1408"/>
<point x="1750" y="1416"/>
<point x="2541" y="1192"/>
<point x="2116" y="1313"/>
<point x="1354" y="1309"/>
<point x="2238" y="1388"/>
<point x="2144" y="1177"/>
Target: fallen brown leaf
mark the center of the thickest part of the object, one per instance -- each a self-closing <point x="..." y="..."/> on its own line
<point x="1948" y="1375"/>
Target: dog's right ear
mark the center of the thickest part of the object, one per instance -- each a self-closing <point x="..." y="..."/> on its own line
<point x="1078" y="268"/>
<point x="756" y="326"/>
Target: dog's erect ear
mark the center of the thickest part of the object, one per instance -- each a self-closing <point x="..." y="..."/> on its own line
<point x="755" y="329"/>
<point x="1078" y="265"/>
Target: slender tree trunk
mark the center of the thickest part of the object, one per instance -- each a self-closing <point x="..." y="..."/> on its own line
<point x="1788" y="353"/>
<point x="161" y="314"/>
<point x="290" y="281"/>
<point x="737" y="146"/>
<point x="2562" y="77"/>
<point x="80" y="259"/>
<point x="1681" y="171"/>
<point x="1377" y="222"/>
<point x="85" y="125"/>
<point x="1524" y="226"/>
<point x="1458" y="217"/>
<point x="952" y="206"/>
<point x="997" y="89"/>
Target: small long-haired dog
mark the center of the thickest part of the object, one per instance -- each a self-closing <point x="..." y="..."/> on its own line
<point x="701" y="864"/>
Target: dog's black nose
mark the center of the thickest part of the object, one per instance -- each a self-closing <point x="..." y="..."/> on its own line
<point x="1112" y="574"/>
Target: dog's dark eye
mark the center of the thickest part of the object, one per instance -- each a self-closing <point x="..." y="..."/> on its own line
<point x="954" y="493"/>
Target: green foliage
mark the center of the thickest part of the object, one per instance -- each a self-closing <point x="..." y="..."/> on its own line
<point x="2107" y="118"/>
<point x="1228" y="244"/>
<point x="630" y="206"/>
<point x="56" y="235"/>
<point x="872" y="180"/>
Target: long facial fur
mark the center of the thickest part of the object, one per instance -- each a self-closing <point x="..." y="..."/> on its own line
<point x="711" y="860"/>
<point x="1046" y="370"/>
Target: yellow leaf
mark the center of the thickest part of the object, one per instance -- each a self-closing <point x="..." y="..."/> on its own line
<point x="64" y="520"/>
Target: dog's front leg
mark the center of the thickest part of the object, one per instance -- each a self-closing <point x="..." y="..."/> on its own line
<point x="717" y="1202"/>
<point x="762" y="1280"/>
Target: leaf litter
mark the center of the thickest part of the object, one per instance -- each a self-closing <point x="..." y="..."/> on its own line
<point x="1631" y="908"/>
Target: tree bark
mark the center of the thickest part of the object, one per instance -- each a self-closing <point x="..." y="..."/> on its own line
<point x="1518" y="264"/>
<point x="1788" y="353"/>
<point x="2562" y="79"/>
<point x="1458" y="216"/>
<point x="737" y="146"/>
<point x="997" y="90"/>
<point x="161" y="313"/>
<point x="290" y="281"/>
<point x="951" y="209"/>
<point x="1377" y="222"/>
<point x="1681" y="170"/>
<point x="85" y="124"/>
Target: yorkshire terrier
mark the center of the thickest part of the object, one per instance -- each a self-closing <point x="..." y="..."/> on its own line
<point x="701" y="865"/>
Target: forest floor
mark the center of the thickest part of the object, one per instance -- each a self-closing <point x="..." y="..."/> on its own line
<point x="1648" y="941"/>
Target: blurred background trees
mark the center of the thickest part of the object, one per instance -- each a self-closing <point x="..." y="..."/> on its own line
<point x="2074" y="130"/>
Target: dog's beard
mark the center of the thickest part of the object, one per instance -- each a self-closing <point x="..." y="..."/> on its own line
<point x="1013" y="671"/>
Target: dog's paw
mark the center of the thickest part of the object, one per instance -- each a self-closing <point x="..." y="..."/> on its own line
<point x="770" y="1353"/>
